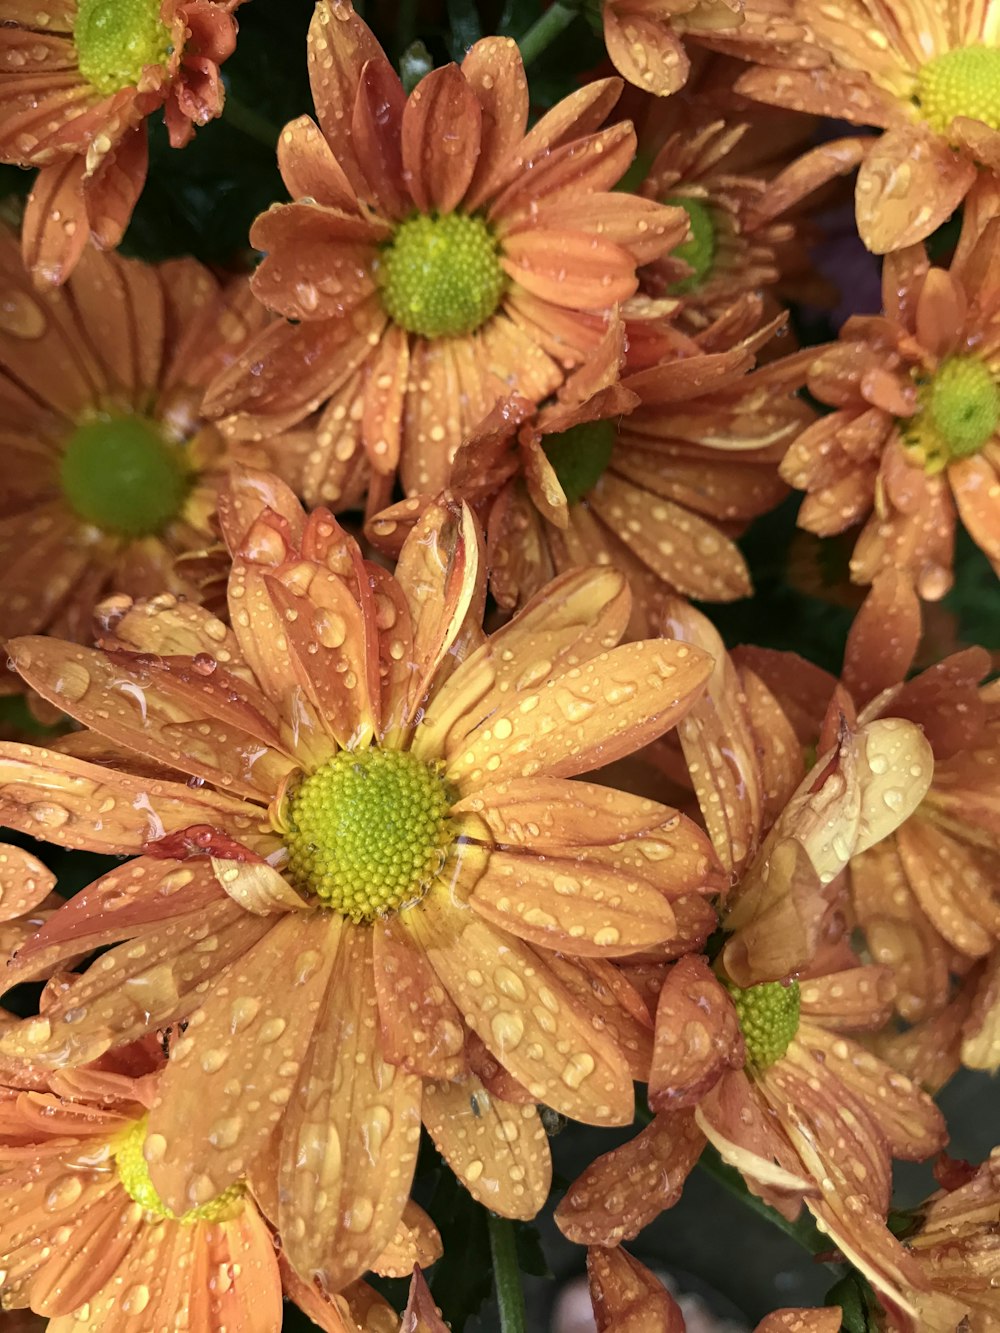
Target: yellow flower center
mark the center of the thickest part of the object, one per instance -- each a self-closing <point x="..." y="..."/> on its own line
<point x="699" y="249"/>
<point x="580" y="455"/>
<point x="116" y="39"/>
<point x="441" y="276"/>
<point x="119" y="473"/>
<point x="965" y="82"/>
<point x="134" y="1176"/>
<point x="959" y="411"/>
<point x="368" y="831"/>
<point x="769" y="1019"/>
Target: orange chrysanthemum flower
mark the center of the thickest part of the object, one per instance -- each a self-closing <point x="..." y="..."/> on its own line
<point x="78" y="78"/>
<point x="628" y="1298"/>
<point x="653" y="473"/>
<point x="925" y="898"/>
<point x="86" y="1240"/>
<point x="643" y="37"/>
<point x="392" y="922"/>
<point x="112" y="471"/>
<point x="915" y="434"/>
<point x="928" y="76"/>
<point x="436" y="257"/>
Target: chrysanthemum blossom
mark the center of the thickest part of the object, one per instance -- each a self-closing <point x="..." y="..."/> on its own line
<point x="628" y="1298"/>
<point x="928" y="77"/>
<point x="111" y="470"/>
<point x="926" y="897"/>
<point x="644" y="37"/>
<point x="378" y="897"/>
<point x="78" y="79"/>
<point x="652" y="473"/>
<point x="436" y="256"/>
<point x="914" y="438"/>
<point x="86" y="1239"/>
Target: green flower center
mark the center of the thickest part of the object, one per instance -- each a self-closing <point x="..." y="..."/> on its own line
<point x="769" y="1019"/>
<point x="368" y="831"/>
<point x="120" y="474"/>
<point x="441" y="276"/>
<point x="965" y="82"/>
<point x="133" y="1173"/>
<point x="699" y="249"/>
<point x="116" y="39"/>
<point x="580" y="455"/>
<point x="959" y="411"/>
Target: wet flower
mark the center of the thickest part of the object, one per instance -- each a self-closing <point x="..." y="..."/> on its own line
<point x="86" y="1239"/>
<point x="78" y="80"/>
<point x="928" y="80"/>
<point x="653" y="473"/>
<point x="628" y="1298"/>
<point x="925" y="898"/>
<point x="644" y="37"/>
<point x="915" y="435"/>
<point x="437" y="256"/>
<point x="112" y="470"/>
<point x="362" y="900"/>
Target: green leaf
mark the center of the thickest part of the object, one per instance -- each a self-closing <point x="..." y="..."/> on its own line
<point x="861" y="1310"/>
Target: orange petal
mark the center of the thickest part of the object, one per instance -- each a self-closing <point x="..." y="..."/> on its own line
<point x="375" y="131"/>
<point x="350" y="1137"/>
<point x="338" y="46"/>
<point x="801" y="1321"/>
<point x="614" y="1003"/>
<point x="55" y="230"/>
<point x="622" y="1191"/>
<point x="735" y="1119"/>
<point x="884" y="637"/>
<point x="440" y="137"/>
<point x="780" y="756"/>
<point x="574" y="905"/>
<point x="248" y="1038"/>
<point x="416" y="1243"/>
<point x="510" y="997"/>
<point x="493" y="69"/>
<point x="909" y="183"/>
<point x="627" y="1298"/>
<point x="421" y="1314"/>
<point x="420" y="1029"/>
<point x="646" y="51"/>
<point x="112" y="191"/>
<point x="569" y="268"/>
<point x="857" y="999"/>
<point x="24" y="882"/>
<point x="499" y="1151"/>
<point x="309" y="168"/>
<point x="697" y="1036"/>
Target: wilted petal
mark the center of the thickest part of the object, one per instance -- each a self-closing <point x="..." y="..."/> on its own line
<point x="498" y="1150"/>
<point x="627" y="1298"/>
<point x="697" y="1036"/>
<point x="858" y="999"/>
<point x="735" y="1119"/>
<point x="622" y="1191"/>
<point x="614" y="1003"/>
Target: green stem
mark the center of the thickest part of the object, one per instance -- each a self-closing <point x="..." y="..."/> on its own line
<point x="248" y="121"/>
<point x="546" y="29"/>
<point x="804" y="1231"/>
<point x="506" y="1274"/>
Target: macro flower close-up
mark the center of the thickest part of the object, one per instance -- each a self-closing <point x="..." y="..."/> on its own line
<point x="500" y="604"/>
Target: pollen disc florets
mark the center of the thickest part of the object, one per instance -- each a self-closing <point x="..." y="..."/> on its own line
<point x="119" y="473"/>
<point x="116" y="39"/>
<point x="698" y="250"/>
<point x="959" y="412"/>
<point x="580" y="455"/>
<point x="368" y="831"/>
<point x="441" y="276"/>
<point x="769" y="1019"/>
<point x="130" y="1163"/>
<point x="965" y="82"/>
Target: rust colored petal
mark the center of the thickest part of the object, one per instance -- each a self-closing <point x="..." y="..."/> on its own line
<point x="941" y="313"/>
<point x="975" y="483"/>
<point x="421" y="1314"/>
<point x="884" y="637"/>
<point x="645" y="50"/>
<point x="801" y="1321"/>
<point x="421" y="1030"/>
<point x="625" y="1189"/>
<point x="569" y="268"/>
<point x="212" y="727"/>
<point x="112" y="191"/>
<point x="736" y="1120"/>
<point x="339" y="45"/>
<point x="350" y="1136"/>
<point x="318" y="261"/>
<point x="780" y="755"/>
<point x="309" y="168"/>
<point x="498" y="1150"/>
<point x="247" y="1042"/>
<point x="950" y="887"/>
<point x="55" y="228"/>
<point x="356" y="1307"/>
<point x="375" y="131"/>
<point x="614" y="1003"/>
<point x="697" y="1036"/>
<point x="857" y="999"/>
<point x="511" y="998"/>
<point x="493" y="69"/>
<point x="627" y="1298"/>
<point x="909" y="183"/>
<point x="575" y="905"/>
<point x="441" y="128"/>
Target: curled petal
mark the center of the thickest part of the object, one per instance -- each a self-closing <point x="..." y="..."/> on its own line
<point x="258" y="887"/>
<point x="697" y="1036"/>
<point x="24" y="882"/>
<point x="909" y="183"/>
<point x="627" y="1298"/>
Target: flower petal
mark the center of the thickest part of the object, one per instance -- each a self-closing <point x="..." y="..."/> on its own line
<point x="646" y="51"/>
<point x="55" y="228"/>
<point x="24" y="882"/>
<point x="697" y="1036"/>
<point x="499" y="1151"/>
<point x="494" y="70"/>
<point x="510" y="997"/>
<point x="350" y="1137"/>
<point x="569" y="268"/>
<point x="309" y="168"/>
<point x="416" y="1243"/>
<point x="908" y="184"/>
<point x="338" y="47"/>
<point x="623" y="1190"/>
<point x="627" y="1298"/>
<point x="375" y="132"/>
<point x="440" y="136"/>
<point x="420" y="1029"/>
